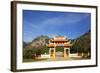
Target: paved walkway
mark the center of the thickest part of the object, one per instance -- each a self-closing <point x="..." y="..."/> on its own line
<point x="59" y="57"/>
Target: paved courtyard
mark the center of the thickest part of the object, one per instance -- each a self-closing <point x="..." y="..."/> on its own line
<point x="59" y="57"/>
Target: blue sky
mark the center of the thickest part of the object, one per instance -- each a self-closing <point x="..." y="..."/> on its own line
<point x="51" y="23"/>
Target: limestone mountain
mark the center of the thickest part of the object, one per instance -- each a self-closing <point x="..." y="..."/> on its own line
<point x="38" y="42"/>
<point x="25" y="44"/>
<point x="82" y="43"/>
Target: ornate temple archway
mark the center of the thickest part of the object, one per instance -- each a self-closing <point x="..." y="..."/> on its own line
<point x="59" y="41"/>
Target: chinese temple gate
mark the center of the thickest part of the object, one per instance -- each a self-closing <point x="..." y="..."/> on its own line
<point x="59" y="41"/>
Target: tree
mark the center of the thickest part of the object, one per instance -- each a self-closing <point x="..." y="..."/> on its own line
<point x="27" y="54"/>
